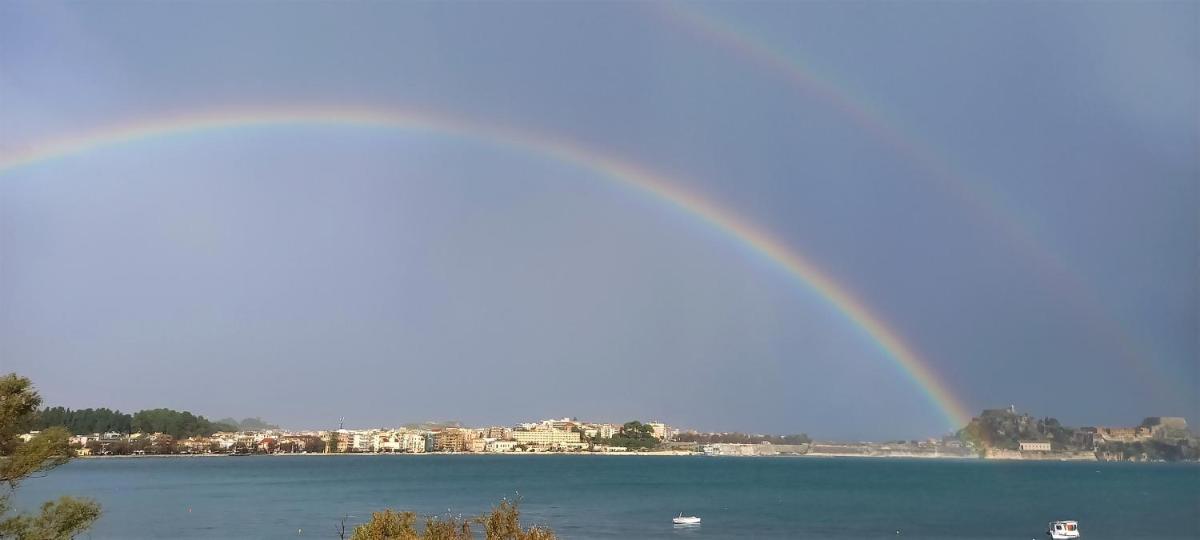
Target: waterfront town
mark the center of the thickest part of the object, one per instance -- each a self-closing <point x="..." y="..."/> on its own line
<point x="561" y="435"/>
<point x="995" y="434"/>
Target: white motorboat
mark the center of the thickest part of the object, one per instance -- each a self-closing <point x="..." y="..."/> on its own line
<point x="685" y="520"/>
<point x="1063" y="530"/>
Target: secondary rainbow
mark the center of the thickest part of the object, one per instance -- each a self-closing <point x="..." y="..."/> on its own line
<point x="865" y="115"/>
<point x="985" y="203"/>
<point x="629" y="175"/>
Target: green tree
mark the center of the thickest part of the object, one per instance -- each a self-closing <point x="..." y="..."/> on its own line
<point x="178" y="424"/>
<point x="247" y="424"/>
<point x="61" y="519"/>
<point x="634" y="436"/>
<point x="636" y="429"/>
<point x="84" y="421"/>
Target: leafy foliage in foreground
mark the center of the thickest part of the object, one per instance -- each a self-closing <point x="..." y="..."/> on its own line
<point x="61" y="519"/>
<point x="502" y="523"/>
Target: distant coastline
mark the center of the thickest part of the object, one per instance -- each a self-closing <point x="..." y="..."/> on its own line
<point x="996" y="434"/>
<point x="1000" y="457"/>
<point x="660" y="453"/>
<point x="918" y="457"/>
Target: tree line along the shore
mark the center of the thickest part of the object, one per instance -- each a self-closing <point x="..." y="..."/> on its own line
<point x="177" y="424"/>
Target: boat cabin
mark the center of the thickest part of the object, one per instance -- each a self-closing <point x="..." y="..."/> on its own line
<point x="1062" y="530"/>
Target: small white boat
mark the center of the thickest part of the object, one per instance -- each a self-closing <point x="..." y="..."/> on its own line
<point x="685" y="520"/>
<point x="1063" y="530"/>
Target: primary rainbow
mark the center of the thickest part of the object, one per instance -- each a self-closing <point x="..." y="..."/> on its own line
<point x="641" y="180"/>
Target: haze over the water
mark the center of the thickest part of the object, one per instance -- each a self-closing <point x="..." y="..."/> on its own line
<point x="1009" y="188"/>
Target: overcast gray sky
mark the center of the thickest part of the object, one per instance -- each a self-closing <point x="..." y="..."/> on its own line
<point x="307" y="273"/>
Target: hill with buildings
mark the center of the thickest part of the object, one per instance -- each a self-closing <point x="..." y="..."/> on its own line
<point x="1006" y="434"/>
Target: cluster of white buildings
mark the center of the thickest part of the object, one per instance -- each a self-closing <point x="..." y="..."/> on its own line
<point x="561" y="435"/>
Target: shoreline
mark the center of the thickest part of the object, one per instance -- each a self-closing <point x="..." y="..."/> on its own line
<point x="581" y="454"/>
<point x="635" y="454"/>
<point x="365" y="454"/>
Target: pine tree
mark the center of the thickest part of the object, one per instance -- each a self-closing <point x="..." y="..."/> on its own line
<point x="61" y="519"/>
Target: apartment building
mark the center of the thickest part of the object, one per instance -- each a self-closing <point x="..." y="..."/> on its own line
<point x="545" y="437"/>
<point x="661" y="431"/>
<point x="449" y="440"/>
<point x="497" y="432"/>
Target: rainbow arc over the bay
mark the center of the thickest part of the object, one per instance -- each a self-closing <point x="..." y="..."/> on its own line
<point x="632" y="176"/>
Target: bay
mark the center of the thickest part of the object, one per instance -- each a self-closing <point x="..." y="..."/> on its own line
<point x="598" y="497"/>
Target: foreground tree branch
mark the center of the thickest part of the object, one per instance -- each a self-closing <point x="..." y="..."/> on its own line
<point x="61" y="519"/>
<point x="502" y="523"/>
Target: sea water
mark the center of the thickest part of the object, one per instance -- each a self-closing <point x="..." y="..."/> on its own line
<point x="585" y="497"/>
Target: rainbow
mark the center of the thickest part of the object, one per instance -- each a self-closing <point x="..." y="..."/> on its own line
<point x="987" y="204"/>
<point x="629" y="175"/>
<point x="867" y="117"/>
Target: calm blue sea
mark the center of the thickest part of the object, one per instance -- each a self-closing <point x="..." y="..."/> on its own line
<point x="634" y="497"/>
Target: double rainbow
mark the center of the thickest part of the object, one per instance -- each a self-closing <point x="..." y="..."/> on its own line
<point x="986" y="204"/>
